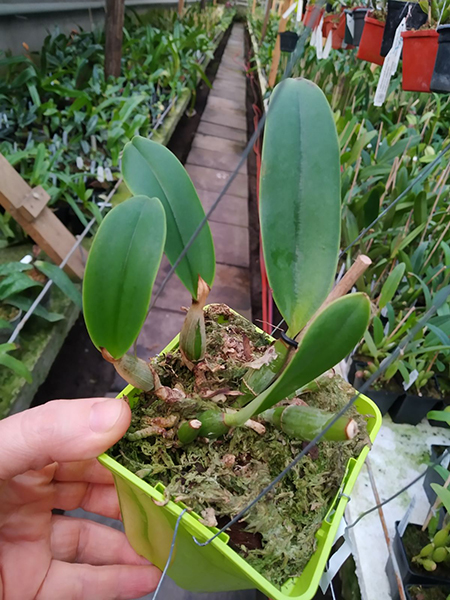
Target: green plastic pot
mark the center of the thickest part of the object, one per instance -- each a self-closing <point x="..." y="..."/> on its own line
<point x="216" y="567"/>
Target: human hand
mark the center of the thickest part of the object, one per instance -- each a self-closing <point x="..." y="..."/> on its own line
<point x="47" y="460"/>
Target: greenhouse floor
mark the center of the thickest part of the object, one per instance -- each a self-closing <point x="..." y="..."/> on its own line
<point x="215" y="153"/>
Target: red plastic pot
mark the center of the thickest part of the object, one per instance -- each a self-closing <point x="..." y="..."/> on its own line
<point x="370" y="45"/>
<point x="312" y="13"/>
<point x="328" y="25"/>
<point x="419" y="55"/>
<point x="338" y="32"/>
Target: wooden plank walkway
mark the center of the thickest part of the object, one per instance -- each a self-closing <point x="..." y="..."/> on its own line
<point x="215" y="153"/>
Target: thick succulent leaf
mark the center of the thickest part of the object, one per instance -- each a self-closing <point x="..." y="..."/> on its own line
<point x="331" y="337"/>
<point x="16" y="283"/>
<point x="443" y="494"/>
<point x="121" y="271"/>
<point x="61" y="280"/>
<point x="16" y="365"/>
<point x="391" y="284"/>
<point x="439" y="415"/>
<point x="300" y="199"/>
<point x="151" y="169"/>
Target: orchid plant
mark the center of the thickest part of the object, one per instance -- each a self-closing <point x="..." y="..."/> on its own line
<point x="300" y="213"/>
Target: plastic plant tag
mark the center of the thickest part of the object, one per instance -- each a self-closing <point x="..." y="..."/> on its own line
<point x="27" y="259"/>
<point x="289" y="11"/>
<point x="100" y="174"/>
<point x="350" y="21"/>
<point x="328" y="45"/>
<point x="404" y="522"/>
<point x="80" y="163"/>
<point x="412" y="378"/>
<point x="319" y="39"/>
<point x="390" y="65"/>
<point x="299" y="10"/>
<point x="338" y="558"/>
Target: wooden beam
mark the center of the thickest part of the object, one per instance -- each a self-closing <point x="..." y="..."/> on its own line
<point x="277" y="50"/>
<point x="266" y="19"/>
<point x="180" y="7"/>
<point x="254" y="7"/>
<point x="29" y="208"/>
<point x="114" y="34"/>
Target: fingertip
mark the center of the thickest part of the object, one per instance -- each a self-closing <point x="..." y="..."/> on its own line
<point x="109" y="415"/>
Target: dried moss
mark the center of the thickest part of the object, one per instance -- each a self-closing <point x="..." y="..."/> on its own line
<point x="417" y="592"/>
<point x="278" y="536"/>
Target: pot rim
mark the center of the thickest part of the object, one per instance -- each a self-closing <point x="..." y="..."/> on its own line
<point x="374" y="21"/>
<point x="420" y="33"/>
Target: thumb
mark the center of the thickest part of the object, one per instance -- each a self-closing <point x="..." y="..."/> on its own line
<point x="60" y="431"/>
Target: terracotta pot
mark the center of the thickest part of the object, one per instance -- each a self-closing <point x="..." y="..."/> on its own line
<point x="312" y="16"/>
<point x="419" y="55"/>
<point x="370" y="45"/>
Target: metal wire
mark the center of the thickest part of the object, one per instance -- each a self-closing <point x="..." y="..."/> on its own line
<point x="383" y="366"/>
<point x="169" y="558"/>
<point x="394" y="496"/>
<point x="423" y="173"/>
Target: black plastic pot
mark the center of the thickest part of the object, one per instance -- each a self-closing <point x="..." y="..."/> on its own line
<point x="440" y="82"/>
<point x="432" y="476"/>
<point x="411" y="409"/>
<point x="359" y="15"/>
<point x="288" y="41"/>
<point x="348" y="37"/>
<point x="445" y="589"/>
<point x="440" y="406"/>
<point x="396" y="10"/>
<point x="384" y="399"/>
<point x="407" y="572"/>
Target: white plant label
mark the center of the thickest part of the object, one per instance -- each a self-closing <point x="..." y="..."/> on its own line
<point x="412" y="378"/>
<point x="290" y="10"/>
<point x="299" y="10"/>
<point x="100" y="174"/>
<point x="27" y="259"/>
<point x="390" y="65"/>
<point x="312" y="40"/>
<point x="350" y="21"/>
<point x="319" y="39"/>
<point x="328" y="45"/>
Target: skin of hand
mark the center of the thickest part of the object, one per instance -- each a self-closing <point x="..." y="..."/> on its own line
<point x="48" y="460"/>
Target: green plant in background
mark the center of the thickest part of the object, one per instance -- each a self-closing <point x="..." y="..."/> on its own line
<point x="438" y="550"/>
<point x="20" y="283"/>
<point x="438" y="12"/>
<point x="119" y="279"/>
<point x="382" y="151"/>
<point x="62" y="125"/>
<point x="12" y="363"/>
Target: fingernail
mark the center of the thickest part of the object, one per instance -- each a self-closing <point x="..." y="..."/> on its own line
<point x="104" y="415"/>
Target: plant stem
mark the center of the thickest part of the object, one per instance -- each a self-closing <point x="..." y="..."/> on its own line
<point x="305" y="422"/>
<point x="134" y="370"/>
<point x="192" y="335"/>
